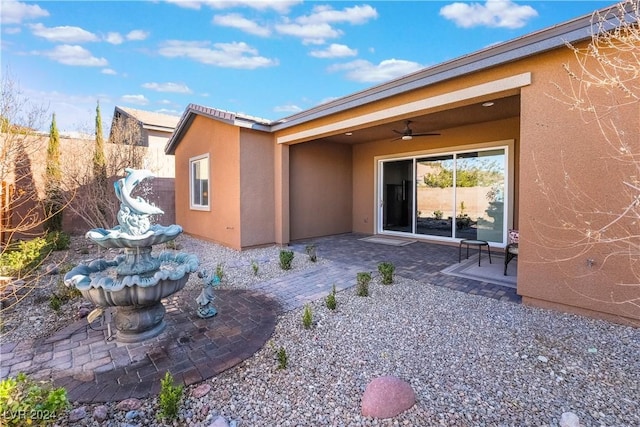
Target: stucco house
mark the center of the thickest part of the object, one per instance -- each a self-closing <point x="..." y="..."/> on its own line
<point x="504" y="152"/>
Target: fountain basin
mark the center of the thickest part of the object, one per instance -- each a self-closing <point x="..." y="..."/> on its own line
<point x="139" y="313"/>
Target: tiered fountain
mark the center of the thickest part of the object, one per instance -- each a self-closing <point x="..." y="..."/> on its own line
<point x="135" y="282"/>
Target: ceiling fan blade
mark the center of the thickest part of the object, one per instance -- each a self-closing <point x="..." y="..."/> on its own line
<point x="425" y="134"/>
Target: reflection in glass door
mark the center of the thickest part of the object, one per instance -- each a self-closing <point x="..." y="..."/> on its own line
<point x="480" y="177"/>
<point x="434" y="195"/>
<point x="397" y="195"/>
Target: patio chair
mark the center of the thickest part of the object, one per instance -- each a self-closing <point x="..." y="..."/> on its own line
<point x="511" y="251"/>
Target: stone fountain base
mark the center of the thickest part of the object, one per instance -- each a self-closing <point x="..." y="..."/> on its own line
<point x="136" y="324"/>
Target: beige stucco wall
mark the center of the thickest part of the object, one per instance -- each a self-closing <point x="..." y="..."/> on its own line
<point x="161" y="164"/>
<point x="257" y="202"/>
<point x="573" y="186"/>
<point x="221" y="141"/>
<point x="320" y="186"/>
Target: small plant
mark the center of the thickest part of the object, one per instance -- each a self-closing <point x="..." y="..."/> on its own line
<point x="437" y="214"/>
<point x="307" y="317"/>
<point x="281" y="355"/>
<point x="220" y="272"/>
<point x="21" y="259"/>
<point x="330" y="301"/>
<point x="55" y="302"/>
<point x="171" y="244"/>
<point x="311" y="251"/>
<point x="24" y="401"/>
<point x="255" y="267"/>
<point x="84" y="250"/>
<point x="58" y="240"/>
<point x="169" y="398"/>
<point x="362" y="288"/>
<point x="286" y="258"/>
<point x="386" y="270"/>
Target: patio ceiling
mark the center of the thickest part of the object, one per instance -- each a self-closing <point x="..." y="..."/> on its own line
<point x="437" y="122"/>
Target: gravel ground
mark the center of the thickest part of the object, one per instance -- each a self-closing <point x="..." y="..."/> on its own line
<point x="472" y="361"/>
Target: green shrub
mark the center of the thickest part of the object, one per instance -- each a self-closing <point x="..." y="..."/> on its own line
<point x="311" y="251"/>
<point x="386" y="270"/>
<point x="58" y="240"/>
<point x="27" y="402"/>
<point x="282" y="357"/>
<point x="362" y="288"/>
<point x="169" y="398"/>
<point x="55" y="302"/>
<point x="307" y="317"/>
<point x="220" y="272"/>
<point x="331" y="299"/>
<point x="255" y="267"/>
<point x="22" y="258"/>
<point x="286" y="258"/>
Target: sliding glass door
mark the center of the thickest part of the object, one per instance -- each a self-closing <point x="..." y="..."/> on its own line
<point x="448" y="196"/>
<point x="397" y="197"/>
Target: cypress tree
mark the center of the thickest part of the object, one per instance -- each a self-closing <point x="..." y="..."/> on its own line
<point x="99" y="160"/>
<point x="53" y="179"/>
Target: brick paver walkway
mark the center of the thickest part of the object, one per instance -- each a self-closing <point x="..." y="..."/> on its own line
<point x="96" y="369"/>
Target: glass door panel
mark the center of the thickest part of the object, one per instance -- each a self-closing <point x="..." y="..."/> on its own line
<point x="397" y="196"/>
<point x="434" y="196"/>
<point x="480" y="179"/>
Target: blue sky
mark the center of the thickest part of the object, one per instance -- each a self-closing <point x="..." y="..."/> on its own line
<point x="264" y="58"/>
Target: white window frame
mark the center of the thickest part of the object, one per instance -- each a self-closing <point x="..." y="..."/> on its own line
<point x="193" y="205"/>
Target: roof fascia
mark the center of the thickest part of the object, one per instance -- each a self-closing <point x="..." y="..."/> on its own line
<point x="194" y="110"/>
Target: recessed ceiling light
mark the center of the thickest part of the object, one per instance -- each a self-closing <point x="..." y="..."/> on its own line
<point x="349" y="133"/>
<point x="487" y="104"/>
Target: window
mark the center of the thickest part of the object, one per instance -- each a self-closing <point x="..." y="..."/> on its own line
<point x="199" y="182"/>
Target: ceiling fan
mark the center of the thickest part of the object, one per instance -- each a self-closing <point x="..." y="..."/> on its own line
<point x="407" y="133"/>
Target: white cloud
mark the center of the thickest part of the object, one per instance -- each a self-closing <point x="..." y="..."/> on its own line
<point x="334" y="51"/>
<point x="114" y="38"/>
<point x="170" y="112"/>
<point x="168" y="87"/>
<point x="311" y="33"/>
<point x="353" y="15"/>
<point x="228" y="55"/>
<point x="316" y="27"/>
<point x="235" y="20"/>
<point x="134" y="99"/>
<point x="75" y="55"/>
<point x="493" y="13"/>
<point x="12" y="30"/>
<point x="281" y="6"/>
<point x="109" y="71"/>
<point x="137" y="35"/>
<point x="63" y="34"/>
<point x="14" y="12"/>
<point x="366" y="72"/>
<point x="289" y="108"/>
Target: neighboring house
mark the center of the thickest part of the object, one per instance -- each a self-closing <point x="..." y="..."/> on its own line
<point x="508" y="154"/>
<point x="154" y="130"/>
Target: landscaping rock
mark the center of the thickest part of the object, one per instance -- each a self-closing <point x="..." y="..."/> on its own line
<point x="100" y="413"/>
<point x="201" y="390"/>
<point x="386" y="397"/>
<point x="569" y="419"/>
<point x="129" y="405"/>
<point x="220" y="421"/>
<point x="77" y="414"/>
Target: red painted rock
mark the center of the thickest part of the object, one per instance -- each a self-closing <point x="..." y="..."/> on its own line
<point x="386" y="397"/>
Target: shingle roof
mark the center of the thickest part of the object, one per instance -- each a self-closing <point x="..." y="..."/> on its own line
<point x="192" y="110"/>
<point x="150" y="119"/>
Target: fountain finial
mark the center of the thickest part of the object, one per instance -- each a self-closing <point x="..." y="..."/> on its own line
<point x="134" y="212"/>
